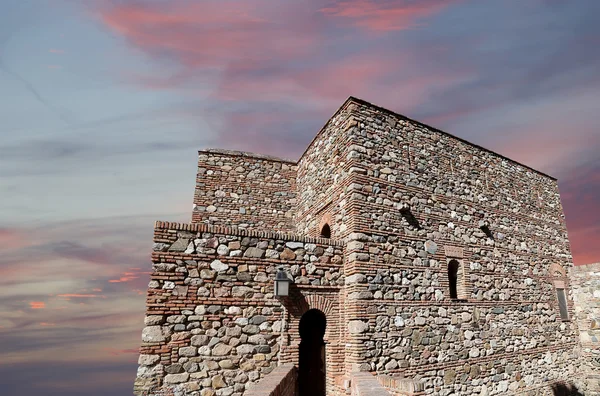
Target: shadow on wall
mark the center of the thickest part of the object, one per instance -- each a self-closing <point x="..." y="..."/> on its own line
<point x="565" y="390"/>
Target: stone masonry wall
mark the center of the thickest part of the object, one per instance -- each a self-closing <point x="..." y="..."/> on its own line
<point x="418" y="200"/>
<point x="585" y="281"/>
<point x="322" y="179"/>
<point x="245" y="190"/>
<point x="405" y="202"/>
<point x="212" y="323"/>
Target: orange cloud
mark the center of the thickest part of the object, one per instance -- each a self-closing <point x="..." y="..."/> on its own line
<point x="387" y="15"/>
<point x="69" y="296"/>
<point x="37" y="304"/>
<point x="129" y="276"/>
<point x="47" y="324"/>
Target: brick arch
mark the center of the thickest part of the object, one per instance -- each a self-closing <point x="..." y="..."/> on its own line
<point x="554" y="268"/>
<point x="306" y="301"/>
<point x="325" y="219"/>
<point x="301" y="301"/>
<point x="317" y="301"/>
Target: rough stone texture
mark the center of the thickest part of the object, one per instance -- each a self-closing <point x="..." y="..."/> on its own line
<point x="585" y="284"/>
<point x="245" y="190"/>
<point x="402" y="200"/>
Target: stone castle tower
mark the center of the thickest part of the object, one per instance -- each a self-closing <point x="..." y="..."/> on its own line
<point x="420" y="264"/>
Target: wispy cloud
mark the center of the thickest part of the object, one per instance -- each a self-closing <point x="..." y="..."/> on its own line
<point x="388" y="15"/>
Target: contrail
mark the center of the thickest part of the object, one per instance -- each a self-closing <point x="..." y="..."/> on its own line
<point x="25" y="82"/>
<point x="35" y="93"/>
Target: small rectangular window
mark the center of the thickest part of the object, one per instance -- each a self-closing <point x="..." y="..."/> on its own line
<point x="562" y="304"/>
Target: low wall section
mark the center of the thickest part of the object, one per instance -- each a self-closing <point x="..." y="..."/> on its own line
<point x="280" y="382"/>
<point x="212" y="323"/>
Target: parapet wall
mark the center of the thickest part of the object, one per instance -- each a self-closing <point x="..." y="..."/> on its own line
<point x="212" y="322"/>
<point x="245" y="190"/>
<point x="280" y="382"/>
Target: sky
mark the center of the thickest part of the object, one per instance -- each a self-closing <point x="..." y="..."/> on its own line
<point x="104" y="105"/>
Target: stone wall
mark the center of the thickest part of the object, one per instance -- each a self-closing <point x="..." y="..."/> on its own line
<point x="585" y="283"/>
<point x="405" y="202"/>
<point x="245" y="190"/>
<point x="420" y="198"/>
<point x="323" y="172"/>
<point x="213" y="325"/>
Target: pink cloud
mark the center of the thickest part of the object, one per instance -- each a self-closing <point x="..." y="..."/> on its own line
<point x="209" y="35"/>
<point x="584" y="244"/>
<point x="386" y="15"/>
<point x="56" y="51"/>
<point x="553" y="150"/>
<point x="232" y="46"/>
<point x="11" y="238"/>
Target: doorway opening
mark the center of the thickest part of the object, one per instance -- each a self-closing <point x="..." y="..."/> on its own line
<point x="311" y="362"/>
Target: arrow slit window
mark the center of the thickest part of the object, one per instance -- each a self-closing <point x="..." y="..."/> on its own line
<point x="559" y="281"/>
<point x="562" y="304"/>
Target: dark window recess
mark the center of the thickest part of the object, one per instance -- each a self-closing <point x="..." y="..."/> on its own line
<point x="562" y="304"/>
<point x="410" y="218"/>
<point x="487" y="231"/>
<point x="453" y="278"/>
<point x="326" y="231"/>
<point x="485" y="227"/>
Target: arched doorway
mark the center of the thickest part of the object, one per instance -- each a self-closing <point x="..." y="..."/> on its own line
<point x="311" y="362"/>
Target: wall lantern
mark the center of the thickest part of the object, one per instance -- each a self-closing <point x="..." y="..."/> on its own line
<point x="282" y="283"/>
